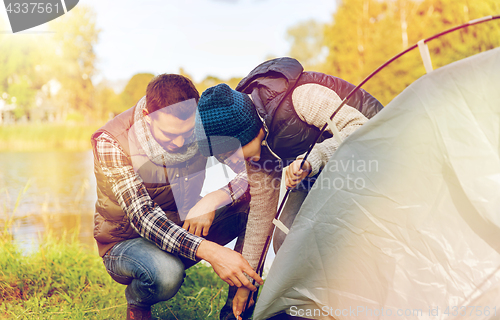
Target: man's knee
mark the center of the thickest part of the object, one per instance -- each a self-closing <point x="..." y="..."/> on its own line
<point x="169" y="279"/>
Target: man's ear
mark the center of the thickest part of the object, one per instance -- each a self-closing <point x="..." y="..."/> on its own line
<point x="145" y="112"/>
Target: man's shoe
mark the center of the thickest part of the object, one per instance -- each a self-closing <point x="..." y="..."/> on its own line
<point x="134" y="313"/>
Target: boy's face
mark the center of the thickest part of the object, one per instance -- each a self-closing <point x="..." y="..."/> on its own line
<point x="169" y="131"/>
<point x="250" y="151"/>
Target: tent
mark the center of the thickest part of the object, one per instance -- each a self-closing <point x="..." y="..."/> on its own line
<point x="404" y="220"/>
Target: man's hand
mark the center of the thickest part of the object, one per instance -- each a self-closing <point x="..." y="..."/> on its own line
<point x="200" y="217"/>
<point x="228" y="264"/>
<point x="239" y="301"/>
<point x="294" y="174"/>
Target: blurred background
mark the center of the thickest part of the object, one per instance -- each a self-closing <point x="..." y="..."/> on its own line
<point x="61" y="81"/>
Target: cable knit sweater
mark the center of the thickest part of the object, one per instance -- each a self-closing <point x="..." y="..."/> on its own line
<point x="314" y="104"/>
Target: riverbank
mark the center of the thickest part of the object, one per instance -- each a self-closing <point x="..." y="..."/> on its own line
<point x="63" y="279"/>
<point x="37" y="137"/>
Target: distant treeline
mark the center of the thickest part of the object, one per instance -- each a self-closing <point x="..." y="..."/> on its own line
<point x="48" y="78"/>
<point x="363" y="34"/>
<point x="37" y="137"/>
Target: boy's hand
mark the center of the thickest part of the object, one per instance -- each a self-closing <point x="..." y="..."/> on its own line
<point x="294" y="174"/>
<point x="239" y="301"/>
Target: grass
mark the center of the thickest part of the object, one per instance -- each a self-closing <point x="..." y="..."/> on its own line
<point x="63" y="279"/>
<point x="59" y="280"/>
<point x="33" y="137"/>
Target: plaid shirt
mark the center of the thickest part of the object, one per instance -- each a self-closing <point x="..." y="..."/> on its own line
<point x="145" y="216"/>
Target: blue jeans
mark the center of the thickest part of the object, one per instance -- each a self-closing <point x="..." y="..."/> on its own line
<point x="153" y="275"/>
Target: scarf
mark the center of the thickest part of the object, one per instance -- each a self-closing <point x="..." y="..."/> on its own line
<point x="152" y="148"/>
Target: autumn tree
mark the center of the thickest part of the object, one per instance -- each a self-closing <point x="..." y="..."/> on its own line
<point x="208" y="82"/>
<point x="74" y="58"/>
<point x="23" y="58"/>
<point x="366" y="33"/>
<point x="307" y="45"/>
<point x="107" y="103"/>
<point x="135" y="89"/>
<point x="52" y="68"/>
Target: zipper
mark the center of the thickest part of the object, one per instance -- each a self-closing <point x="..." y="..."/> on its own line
<point x="267" y="144"/>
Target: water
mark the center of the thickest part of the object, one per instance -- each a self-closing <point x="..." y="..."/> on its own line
<point x="53" y="190"/>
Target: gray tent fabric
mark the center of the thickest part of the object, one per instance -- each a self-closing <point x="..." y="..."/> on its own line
<point x="404" y="220"/>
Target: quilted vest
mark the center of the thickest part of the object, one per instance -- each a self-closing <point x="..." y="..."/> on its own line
<point x="271" y="85"/>
<point x="175" y="189"/>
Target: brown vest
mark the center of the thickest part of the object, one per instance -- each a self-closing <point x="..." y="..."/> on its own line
<point x="176" y="189"/>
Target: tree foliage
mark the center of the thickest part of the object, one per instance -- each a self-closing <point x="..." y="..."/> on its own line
<point x="135" y="89"/>
<point x="307" y="43"/>
<point x="74" y="40"/>
<point x="211" y="81"/>
<point x="52" y="68"/>
<point x="22" y="60"/>
<point x="363" y="34"/>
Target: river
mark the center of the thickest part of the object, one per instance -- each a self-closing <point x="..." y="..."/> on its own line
<point x="42" y="191"/>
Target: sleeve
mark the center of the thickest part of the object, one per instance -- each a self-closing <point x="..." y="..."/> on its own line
<point x="264" y="193"/>
<point x="314" y="105"/>
<point x="145" y="216"/>
<point x="239" y="185"/>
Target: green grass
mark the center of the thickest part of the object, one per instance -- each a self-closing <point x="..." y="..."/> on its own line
<point x="61" y="279"/>
<point x="33" y="137"/>
<point x="64" y="280"/>
<point x="201" y="296"/>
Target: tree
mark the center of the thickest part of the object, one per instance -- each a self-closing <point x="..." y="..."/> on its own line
<point x="233" y="82"/>
<point x="74" y="58"/>
<point x="34" y="64"/>
<point x="366" y="33"/>
<point x="359" y="39"/>
<point x="22" y="59"/>
<point x="208" y="82"/>
<point x="106" y="102"/>
<point x="135" y="89"/>
<point x="307" y="43"/>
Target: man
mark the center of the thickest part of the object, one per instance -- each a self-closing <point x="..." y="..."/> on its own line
<point x="282" y="108"/>
<point x="150" y="224"/>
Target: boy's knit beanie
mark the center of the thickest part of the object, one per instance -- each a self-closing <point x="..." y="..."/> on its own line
<point x="226" y="119"/>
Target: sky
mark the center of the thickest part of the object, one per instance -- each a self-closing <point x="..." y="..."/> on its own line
<point x="223" y="38"/>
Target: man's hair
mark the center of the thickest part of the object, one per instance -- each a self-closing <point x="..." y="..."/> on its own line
<point x="168" y="89"/>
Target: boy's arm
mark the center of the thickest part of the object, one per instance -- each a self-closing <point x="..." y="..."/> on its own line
<point x="264" y="195"/>
<point x="315" y="104"/>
